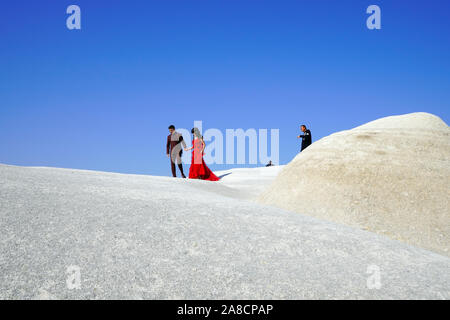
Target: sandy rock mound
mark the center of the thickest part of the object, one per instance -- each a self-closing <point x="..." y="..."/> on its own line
<point x="390" y="176"/>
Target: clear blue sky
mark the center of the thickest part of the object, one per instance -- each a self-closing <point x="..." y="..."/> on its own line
<point x="101" y="98"/>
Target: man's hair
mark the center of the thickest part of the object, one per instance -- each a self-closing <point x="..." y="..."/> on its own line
<point x="172" y="127"/>
<point x="302" y="125"/>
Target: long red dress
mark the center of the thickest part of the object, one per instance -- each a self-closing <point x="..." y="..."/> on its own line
<point x="198" y="169"/>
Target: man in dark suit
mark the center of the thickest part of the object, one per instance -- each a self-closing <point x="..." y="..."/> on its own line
<point x="306" y="137"/>
<point x="174" y="150"/>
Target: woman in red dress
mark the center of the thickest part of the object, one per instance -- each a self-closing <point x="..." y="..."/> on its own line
<point x="198" y="169"/>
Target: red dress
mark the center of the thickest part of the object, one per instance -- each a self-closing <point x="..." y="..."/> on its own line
<point x="198" y="169"/>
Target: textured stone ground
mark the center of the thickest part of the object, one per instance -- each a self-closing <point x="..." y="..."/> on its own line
<point x="147" y="237"/>
<point x="390" y="176"/>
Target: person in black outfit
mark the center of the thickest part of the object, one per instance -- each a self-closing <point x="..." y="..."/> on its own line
<point x="174" y="150"/>
<point x="306" y="137"/>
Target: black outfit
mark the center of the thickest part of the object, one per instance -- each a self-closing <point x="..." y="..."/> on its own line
<point x="173" y="147"/>
<point x="306" y="139"/>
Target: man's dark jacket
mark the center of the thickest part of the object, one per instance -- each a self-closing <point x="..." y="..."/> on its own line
<point x="174" y="142"/>
<point x="306" y="139"/>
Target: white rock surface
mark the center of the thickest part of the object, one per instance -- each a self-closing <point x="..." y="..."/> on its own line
<point x="145" y="237"/>
<point x="249" y="183"/>
<point x="390" y="176"/>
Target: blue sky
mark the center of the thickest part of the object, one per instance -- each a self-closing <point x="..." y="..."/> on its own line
<point x="101" y="98"/>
